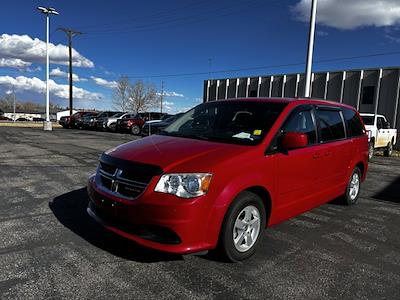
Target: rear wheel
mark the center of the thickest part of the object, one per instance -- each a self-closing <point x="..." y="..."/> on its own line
<point x="243" y="227"/>
<point x="113" y="127"/>
<point x="389" y="150"/>
<point x="135" y="129"/>
<point x="353" y="188"/>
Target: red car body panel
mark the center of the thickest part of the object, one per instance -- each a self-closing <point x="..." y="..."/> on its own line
<point x="295" y="182"/>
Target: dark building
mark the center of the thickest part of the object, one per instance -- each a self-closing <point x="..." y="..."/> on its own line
<point x="369" y="90"/>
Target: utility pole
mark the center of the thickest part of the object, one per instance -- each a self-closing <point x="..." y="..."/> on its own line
<point x="162" y="95"/>
<point x="310" y="51"/>
<point x="70" y="33"/>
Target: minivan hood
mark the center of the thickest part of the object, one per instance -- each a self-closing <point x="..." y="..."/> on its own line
<point x="189" y="155"/>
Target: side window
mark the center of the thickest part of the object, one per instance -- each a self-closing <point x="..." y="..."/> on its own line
<point x="301" y="121"/>
<point x="353" y="123"/>
<point x="331" y="125"/>
<point x="380" y="122"/>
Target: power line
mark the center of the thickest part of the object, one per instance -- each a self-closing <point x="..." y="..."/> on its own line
<point x="179" y="21"/>
<point x="146" y="17"/>
<point x="259" y="67"/>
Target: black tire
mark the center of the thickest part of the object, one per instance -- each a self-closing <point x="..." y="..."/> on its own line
<point x="113" y="127"/>
<point x="135" y="129"/>
<point x="389" y="150"/>
<point x="371" y="150"/>
<point x="227" y="245"/>
<point x="349" y="197"/>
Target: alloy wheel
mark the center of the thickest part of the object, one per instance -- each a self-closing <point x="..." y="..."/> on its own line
<point x="246" y="228"/>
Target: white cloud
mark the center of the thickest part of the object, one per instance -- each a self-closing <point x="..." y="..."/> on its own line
<point x="36" y="85"/>
<point x="345" y="14"/>
<point x="57" y="72"/>
<point x="104" y="83"/>
<point x="168" y="103"/>
<point x="30" y="50"/>
<point x="14" y="63"/>
<point x="171" y="94"/>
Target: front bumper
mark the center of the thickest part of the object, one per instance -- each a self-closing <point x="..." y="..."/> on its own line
<point x="159" y="221"/>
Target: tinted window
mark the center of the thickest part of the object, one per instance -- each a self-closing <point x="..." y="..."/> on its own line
<point x="301" y="121"/>
<point x="368" y="120"/>
<point x="353" y="123"/>
<point x="331" y="125"/>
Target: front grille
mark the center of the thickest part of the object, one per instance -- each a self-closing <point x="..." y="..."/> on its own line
<point x="125" y="178"/>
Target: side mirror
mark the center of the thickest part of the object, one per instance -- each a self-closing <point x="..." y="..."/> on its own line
<point x="294" y="140"/>
<point x="387" y="125"/>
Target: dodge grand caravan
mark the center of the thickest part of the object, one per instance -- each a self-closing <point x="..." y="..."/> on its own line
<point x="225" y="170"/>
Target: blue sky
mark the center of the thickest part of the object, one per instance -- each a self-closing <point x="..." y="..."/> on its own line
<point x="151" y="39"/>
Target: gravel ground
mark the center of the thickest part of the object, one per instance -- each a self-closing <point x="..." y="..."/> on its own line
<point x="50" y="248"/>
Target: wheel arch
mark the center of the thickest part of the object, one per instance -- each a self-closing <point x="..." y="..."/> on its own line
<point x="265" y="196"/>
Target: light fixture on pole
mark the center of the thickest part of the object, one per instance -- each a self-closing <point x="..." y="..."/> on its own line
<point x="47" y="11"/>
<point x="310" y="51"/>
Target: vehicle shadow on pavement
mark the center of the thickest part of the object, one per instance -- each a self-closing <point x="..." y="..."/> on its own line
<point x="390" y="193"/>
<point x="70" y="210"/>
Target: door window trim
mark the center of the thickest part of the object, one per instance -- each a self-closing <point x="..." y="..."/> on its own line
<point x="331" y="108"/>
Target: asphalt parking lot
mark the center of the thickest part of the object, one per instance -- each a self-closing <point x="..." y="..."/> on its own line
<point x="50" y="248"/>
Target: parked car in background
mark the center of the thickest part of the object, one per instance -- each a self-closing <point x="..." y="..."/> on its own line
<point x="84" y="121"/>
<point x="380" y="134"/>
<point x="73" y="120"/>
<point x="111" y="122"/>
<point x="152" y="127"/>
<point x="97" y="121"/>
<point x="133" y="124"/>
<point x="22" y="119"/>
<point x="152" y="116"/>
<point x="38" y="119"/>
<point x="89" y="120"/>
<point x="226" y="170"/>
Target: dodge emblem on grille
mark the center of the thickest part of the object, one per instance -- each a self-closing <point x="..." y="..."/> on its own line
<point x="114" y="183"/>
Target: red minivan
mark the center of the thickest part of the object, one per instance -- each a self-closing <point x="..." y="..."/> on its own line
<point x="225" y="170"/>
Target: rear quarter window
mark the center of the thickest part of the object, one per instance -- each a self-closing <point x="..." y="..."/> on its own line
<point x="330" y="124"/>
<point x="353" y="123"/>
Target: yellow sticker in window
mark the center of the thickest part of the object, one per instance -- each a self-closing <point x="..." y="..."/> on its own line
<point x="257" y="132"/>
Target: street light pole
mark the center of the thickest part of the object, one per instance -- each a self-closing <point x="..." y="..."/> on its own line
<point x="48" y="127"/>
<point x="310" y="51"/>
<point x="47" y="11"/>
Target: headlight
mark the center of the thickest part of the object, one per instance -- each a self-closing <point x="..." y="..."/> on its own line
<point x="186" y="185"/>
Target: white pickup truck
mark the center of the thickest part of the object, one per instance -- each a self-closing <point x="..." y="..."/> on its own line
<point x="380" y="135"/>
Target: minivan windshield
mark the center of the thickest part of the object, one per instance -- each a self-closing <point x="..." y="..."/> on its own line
<point x="368" y="120"/>
<point x="235" y="122"/>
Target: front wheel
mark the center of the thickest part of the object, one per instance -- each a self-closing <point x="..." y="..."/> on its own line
<point x="353" y="188"/>
<point x="243" y="227"/>
<point x="135" y="129"/>
<point x="389" y="150"/>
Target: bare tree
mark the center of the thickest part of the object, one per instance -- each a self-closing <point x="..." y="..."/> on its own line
<point x="142" y="96"/>
<point x="121" y="94"/>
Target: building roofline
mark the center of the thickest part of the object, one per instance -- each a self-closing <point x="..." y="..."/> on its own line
<point x="318" y="72"/>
